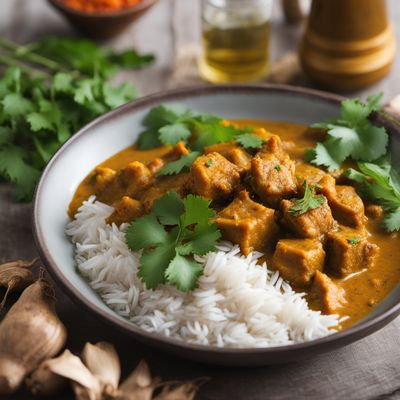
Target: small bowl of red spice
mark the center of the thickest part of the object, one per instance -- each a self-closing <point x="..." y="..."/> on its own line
<point x="102" y="19"/>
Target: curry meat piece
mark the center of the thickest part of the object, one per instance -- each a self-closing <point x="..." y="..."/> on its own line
<point x="349" y="251"/>
<point x="128" y="182"/>
<point x="213" y="177"/>
<point x="313" y="223"/>
<point x="174" y="154"/>
<point x="272" y="174"/>
<point x="103" y="177"/>
<point x="315" y="177"/>
<point x="325" y="295"/>
<point x="233" y="153"/>
<point x="125" y="210"/>
<point x="347" y="206"/>
<point x="247" y="223"/>
<point x="177" y="183"/>
<point x="297" y="260"/>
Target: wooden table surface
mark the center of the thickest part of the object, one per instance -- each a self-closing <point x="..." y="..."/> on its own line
<point x="369" y="369"/>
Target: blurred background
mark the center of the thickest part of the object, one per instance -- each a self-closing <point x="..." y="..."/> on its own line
<point x="172" y="30"/>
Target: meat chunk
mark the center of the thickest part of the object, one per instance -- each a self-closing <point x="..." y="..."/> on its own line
<point x="126" y="210"/>
<point x="325" y="295"/>
<point x="213" y="177"/>
<point x="297" y="260"/>
<point x="374" y="211"/>
<point x="247" y="223"/>
<point x="272" y="171"/>
<point x="232" y="152"/>
<point x="130" y="181"/>
<point x="347" y="206"/>
<point x="161" y="186"/>
<point x="312" y="224"/>
<point x="103" y="177"/>
<point x="349" y="251"/>
<point x="315" y="177"/>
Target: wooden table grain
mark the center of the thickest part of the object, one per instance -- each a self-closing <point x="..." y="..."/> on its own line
<point x="369" y="369"/>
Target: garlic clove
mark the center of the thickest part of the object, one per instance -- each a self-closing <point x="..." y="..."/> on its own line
<point x="139" y="385"/>
<point x="103" y="362"/>
<point x="71" y="367"/>
<point x="44" y="382"/>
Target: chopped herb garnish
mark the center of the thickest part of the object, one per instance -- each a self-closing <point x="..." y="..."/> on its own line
<point x="210" y="163"/>
<point x="175" y="167"/>
<point x="354" y="240"/>
<point x="310" y="201"/>
<point x="351" y="135"/>
<point x="175" y="230"/>
<point x="278" y="167"/>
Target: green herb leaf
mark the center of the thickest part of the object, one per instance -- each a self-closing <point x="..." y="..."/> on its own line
<point x="354" y="240"/>
<point x="39" y="121"/>
<point x="172" y="134"/>
<point x="249" y="141"/>
<point x="144" y="232"/>
<point x="175" y="167"/>
<point x="62" y="82"/>
<point x="278" y="167"/>
<point x="310" y="201"/>
<point x="352" y="135"/>
<point x="183" y="272"/>
<point x="170" y="236"/>
<point x="14" y="104"/>
<point x="380" y="184"/>
<point x="169" y="208"/>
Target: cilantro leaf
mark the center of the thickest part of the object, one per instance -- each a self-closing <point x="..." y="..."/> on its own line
<point x="379" y="183"/>
<point x="148" y="139"/>
<point x="354" y="240"/>
<point x="39" y="121"/>
<point x="62" y="82"/>
<point x="175" y="167"/>
<point x="183" y="272"/>
<point x="172" y="134"/>
<point x="115" y="96"/>
<point x="168" y="208"/>
<point x="391" y="222"/>
<point x="249" y="141"/>
<point x="310" y="201"/>
<point x="15" y="105"/>
<point x="170" y="236"/>
<point x="351" y="135"/>
<point x="165" y="115"/>
<point x="144" y="232"/>
<point x="153" y="264"/>
<point x="15" y="168"/>
<point x="197" y="211"/>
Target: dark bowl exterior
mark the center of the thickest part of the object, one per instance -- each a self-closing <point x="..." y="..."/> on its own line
<point x="102" y="25"/>
<point x="208" y="354"/>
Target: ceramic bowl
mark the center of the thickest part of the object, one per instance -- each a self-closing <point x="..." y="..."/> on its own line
<point x="102" y="25"/>
<point x="119" y="129"/>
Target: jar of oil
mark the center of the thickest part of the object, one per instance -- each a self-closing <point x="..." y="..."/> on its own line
<point x="235" y="39"/>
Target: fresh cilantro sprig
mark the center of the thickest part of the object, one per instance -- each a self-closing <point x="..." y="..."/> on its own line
<point x="59" y="85"/>
<point x="380" y="184"/>
<point x="175" y="167"/>
<point x="175" y="230"/>
<point x="308" y="202"/>
<point x="351" y="135"/>
<point x="170" y="124"/>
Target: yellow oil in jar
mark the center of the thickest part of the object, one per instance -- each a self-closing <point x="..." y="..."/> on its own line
<point x="235" y="54"/>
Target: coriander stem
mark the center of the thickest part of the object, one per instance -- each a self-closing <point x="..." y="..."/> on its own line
<point x="12" y="62"/>
<point x="36" y="58"/>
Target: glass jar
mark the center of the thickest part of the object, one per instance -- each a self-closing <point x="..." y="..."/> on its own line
<point x="235" y="40"/>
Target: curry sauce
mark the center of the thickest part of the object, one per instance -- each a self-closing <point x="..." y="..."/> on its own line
<point x="362" y="289"/>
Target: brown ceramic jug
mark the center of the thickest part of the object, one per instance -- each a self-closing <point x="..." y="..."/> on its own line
<point x="348" y="44"/>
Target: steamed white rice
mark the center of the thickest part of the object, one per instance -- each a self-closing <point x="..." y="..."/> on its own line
<point x="238" y="302"/>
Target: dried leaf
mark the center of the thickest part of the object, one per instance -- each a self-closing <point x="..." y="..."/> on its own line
<point x="85" y="385"/>
<point x="139" y="385"/>
<point x="103" y="362"/>
<point x="44" y="382"/>
<point x="14" y="276"/>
